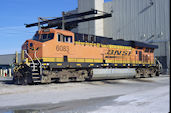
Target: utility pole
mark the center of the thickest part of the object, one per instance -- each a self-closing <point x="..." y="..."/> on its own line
<point x="39" y="23"/>
<point x="63" y="20"/>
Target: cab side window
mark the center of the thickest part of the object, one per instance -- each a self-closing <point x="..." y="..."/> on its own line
<point x="59" y="37"/>
<point x="63" y="38"/>
<point x="69" y="39"/>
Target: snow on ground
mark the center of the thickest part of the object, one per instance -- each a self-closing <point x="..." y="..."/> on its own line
<point x="148" y="95"/>
<point x="52" y="93"/>
<point x="152" y="101"/>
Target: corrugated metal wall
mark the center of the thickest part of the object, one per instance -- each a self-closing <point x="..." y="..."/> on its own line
<point x="141" y="20"/>
<point x="135" y="19"/>
<point x="86" y="27"/>
<point x="91" y="27"/>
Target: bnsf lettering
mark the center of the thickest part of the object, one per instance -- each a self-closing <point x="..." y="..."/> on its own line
<point x="62" y="48"/>
<point x="117" y="52"/>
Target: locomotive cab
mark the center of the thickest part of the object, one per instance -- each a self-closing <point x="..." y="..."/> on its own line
<point x="47" y="44"/>
<point x="50" y="34"/>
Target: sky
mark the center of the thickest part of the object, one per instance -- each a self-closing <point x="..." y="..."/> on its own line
<point x="15" y="13"/>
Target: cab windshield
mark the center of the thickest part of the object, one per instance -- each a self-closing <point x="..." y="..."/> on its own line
<point x="43" y="37"/>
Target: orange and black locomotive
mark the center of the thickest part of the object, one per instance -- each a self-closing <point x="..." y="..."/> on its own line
<point x="55" y="55"/>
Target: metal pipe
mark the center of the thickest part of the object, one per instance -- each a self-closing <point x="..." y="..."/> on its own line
<point x="113" y="73"/>
<point x="39" y="62"/>
<point x="29" y="56"/>
<point x="31" y="59"/>
<point x="10" y="75"/>
<point x="3" y="73"/>
<point x="22" y="56"/>
<point x="16" y="57"/>
<point x="0" y="72"/>
<point x="63" y="20"/>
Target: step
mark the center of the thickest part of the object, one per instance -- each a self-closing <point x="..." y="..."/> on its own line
<point x="33" y="66"/>
<point x="36" y="81"/>
<point x="36" y="78"/>
<point x="35" y="74"/>
<point x="35" y="70"/>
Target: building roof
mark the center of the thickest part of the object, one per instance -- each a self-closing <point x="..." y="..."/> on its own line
<point x="8" y="59"/>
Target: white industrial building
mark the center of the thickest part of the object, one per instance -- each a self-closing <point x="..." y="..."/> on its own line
<point x="141" y="20"/>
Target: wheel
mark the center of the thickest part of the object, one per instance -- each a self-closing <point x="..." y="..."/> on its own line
<point x="157" y="73"/>
<point x="17" y="79"/>
<point x="22" y="79"/>
<point x="90" y="75"/>
<point x="63" y="78"/>
<point x="80" y="78"/>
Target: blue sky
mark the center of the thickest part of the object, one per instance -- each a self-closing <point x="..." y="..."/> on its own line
<point x="15" y="13"/>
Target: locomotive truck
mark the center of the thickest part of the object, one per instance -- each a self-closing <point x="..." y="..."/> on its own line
<point x="55" y="55"/>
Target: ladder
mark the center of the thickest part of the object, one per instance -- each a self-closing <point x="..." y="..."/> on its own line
<point x="36" y="76"/>
<point x="36" y="68"/>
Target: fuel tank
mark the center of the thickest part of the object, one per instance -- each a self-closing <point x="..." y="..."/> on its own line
<point x="113" y="73"/>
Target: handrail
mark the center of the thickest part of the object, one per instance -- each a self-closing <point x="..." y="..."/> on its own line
<point x="31" y="59"/>
<point x="39" y="62"/>
<point x="159" y="64"/>
<point x="29" y="56"/>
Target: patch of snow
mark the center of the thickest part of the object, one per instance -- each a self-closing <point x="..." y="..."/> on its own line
<point x="149" y="95"/>
<point x="152" y="101"/>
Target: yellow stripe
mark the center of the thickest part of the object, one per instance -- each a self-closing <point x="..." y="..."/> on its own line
<point x="52" y="59"/>
<point x="59" y="64"/>
<point x="77" y="42"/>
<point x="59" y="60"/>
<point x="82" y="43"/>
<point x="109" y="61"/>
<point x="78" y="64"/>
<point x="98" y="45"/>
<point x="80" y="60"/>
<point x="72" y="60"/>
<point x="44" y="64"/>
<point x="89" y="60"/>
<point x="104" y="64"/>
<point x="91" y="64"/>
<point x="48" y="59"/>
<point x="103" y="45"/>
<point x="98" y="60"/>
<point x="85" y="60"/>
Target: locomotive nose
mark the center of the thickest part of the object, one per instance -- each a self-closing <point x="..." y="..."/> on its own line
<point x="32" y="47"/>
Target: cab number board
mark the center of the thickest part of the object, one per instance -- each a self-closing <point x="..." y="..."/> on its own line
<point x="62" y="48"/>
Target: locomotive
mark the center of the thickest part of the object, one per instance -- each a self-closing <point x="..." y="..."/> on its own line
<point x="56" y="55"/>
